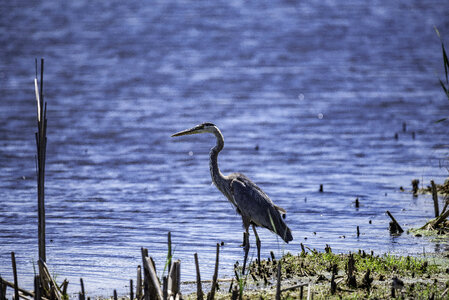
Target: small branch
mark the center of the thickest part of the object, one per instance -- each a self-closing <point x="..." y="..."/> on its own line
<point x="294" y="287"/>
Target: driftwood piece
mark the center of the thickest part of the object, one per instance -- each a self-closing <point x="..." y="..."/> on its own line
<point x="434" y="223"/>
<point x="199" y="289"/>
<point x="294" y="287"/>
<point x="396" y="224"/>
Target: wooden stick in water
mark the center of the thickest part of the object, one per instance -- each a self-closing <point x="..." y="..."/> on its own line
<point x="82" y="293"/>
<point x="165" y="288"/>
<point x="435" y="199"/>
<point x="278" y="283"/>
<point x="199" y="289"/>
<point x="139" y="283"/>
<point x="154" y="280"/>
<point x="146" y="275"/>
<point x="53" y="290"/>
<point x="214" y="278"/>
<point x="2" y="289"/>
<point x="396" y="222"/>
<point x="174" y="279"/>
<point x="169" y="254"/>
<point x="14" y="270"/>
<point x="37" y="288"/>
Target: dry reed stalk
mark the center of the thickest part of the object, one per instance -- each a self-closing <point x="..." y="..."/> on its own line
<point x="41" y="143"/>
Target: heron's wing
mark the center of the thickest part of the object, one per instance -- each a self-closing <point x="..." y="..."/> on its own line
<point x="255" y="205"/>
<point x="280" y="209"/>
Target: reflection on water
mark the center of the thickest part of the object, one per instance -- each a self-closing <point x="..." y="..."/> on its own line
<point x="305" y="94"/>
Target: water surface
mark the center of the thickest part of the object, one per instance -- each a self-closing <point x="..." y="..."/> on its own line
<point x="305" y="94"/>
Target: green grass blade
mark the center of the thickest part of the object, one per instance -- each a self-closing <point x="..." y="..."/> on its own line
<point x="272" y="223"/>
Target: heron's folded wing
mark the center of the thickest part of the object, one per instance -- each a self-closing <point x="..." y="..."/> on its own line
<point x="256" y="206"/>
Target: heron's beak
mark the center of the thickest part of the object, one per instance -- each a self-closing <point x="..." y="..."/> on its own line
<point x="193" y="130"/>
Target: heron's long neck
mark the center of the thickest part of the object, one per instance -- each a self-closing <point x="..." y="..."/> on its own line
<point x="217" y="177"/>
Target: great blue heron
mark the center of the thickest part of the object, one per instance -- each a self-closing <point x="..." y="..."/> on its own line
<point x="255" y="207"/>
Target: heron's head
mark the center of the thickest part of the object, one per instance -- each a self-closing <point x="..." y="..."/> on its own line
<point x="202" y="128"/>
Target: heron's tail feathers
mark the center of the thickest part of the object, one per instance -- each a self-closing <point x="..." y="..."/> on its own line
<point x="279" y="227"/>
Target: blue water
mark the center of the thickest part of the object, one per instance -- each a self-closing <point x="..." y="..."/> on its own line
<point x="320" y="88"/>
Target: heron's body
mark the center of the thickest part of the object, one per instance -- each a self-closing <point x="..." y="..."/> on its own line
<point x="255" y="207"/>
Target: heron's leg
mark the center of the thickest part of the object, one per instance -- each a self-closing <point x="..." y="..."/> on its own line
<point x="257" y="244"/>
<point x="246" y="248"/>
<point x="244" y="240"/>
